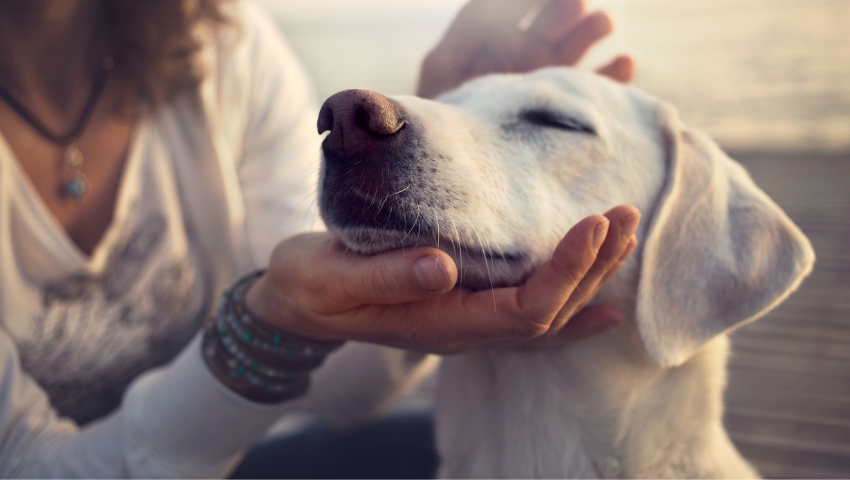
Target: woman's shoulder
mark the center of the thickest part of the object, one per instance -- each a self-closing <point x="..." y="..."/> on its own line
<point x="254" y="78"/>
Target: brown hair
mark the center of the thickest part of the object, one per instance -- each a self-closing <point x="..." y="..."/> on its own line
<point x="155" y="44"/>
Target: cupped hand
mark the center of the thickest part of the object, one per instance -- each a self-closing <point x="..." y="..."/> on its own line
<point x="405" y="298"/>
<point x="516" y="36"/>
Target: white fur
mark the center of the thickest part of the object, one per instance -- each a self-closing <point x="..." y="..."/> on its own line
<point x="643" y="400"/>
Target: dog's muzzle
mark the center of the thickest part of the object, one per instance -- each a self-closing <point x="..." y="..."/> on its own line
<point x="368" y="158"/>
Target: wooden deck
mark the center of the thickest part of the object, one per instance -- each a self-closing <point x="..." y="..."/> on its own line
<point x="788" y="401"/>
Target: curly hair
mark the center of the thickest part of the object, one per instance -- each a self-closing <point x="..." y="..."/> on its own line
<point x="155" y="44"/>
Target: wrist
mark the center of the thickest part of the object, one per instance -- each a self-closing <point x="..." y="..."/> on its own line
<point x="259" y="300"/>
<point x="253" y="358"/>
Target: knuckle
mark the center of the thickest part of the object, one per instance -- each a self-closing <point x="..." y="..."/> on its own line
<point x="381" y="283"/>
<point x="414" y="335"/>
<point x="531" y="327"/>
<point x="325" y="297"/>
<point x="325" y="290"/>
<point x="320" y="287"/>
<point x="421" y="337"/>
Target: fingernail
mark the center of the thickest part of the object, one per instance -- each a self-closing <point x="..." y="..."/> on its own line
<point x="628" y="225"/>
<point x="430" y="273"/>
<point x="599" y="234"/>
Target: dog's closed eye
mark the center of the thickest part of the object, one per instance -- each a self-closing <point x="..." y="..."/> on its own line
<point x="550" y="119"/>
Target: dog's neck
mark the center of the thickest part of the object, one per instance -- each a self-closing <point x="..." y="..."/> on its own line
<point x="592" y="408"/>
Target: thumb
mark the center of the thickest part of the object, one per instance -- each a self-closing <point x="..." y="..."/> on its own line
<point x="394" y="277"/>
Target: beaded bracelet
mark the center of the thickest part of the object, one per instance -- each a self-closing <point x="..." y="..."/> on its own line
<point x="265" y="364"/>
<point x="261" y="335"/>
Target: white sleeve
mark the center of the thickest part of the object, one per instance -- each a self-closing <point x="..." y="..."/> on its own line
<point x="278" y="164"/>
<point x="174" y="422"/>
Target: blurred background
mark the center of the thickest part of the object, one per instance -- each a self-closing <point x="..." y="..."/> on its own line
<point x="770" y="81"/>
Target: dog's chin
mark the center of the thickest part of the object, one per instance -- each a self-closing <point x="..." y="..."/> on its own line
<point x="372" y="241"/>
<point x="478" y="269"/>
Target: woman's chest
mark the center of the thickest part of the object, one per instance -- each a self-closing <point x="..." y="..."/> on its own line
<point x="95" y="169"/>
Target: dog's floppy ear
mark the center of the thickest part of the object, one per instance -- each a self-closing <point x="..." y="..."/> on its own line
<point x="718" y="254"/>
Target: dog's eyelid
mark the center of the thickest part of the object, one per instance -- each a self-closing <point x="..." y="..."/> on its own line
<point x="549" y="118"/>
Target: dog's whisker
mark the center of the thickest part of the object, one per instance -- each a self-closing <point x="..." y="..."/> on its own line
<point x="415" y="221"/>
<point x="437" y="223"/>
<point x="458" y="251"/>
<point x="486" y="265"/>
<point x="381" y="206"/>
<point x="402" y="190"/>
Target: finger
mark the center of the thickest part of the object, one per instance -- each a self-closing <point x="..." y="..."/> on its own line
<point x="564" y="319"/>
<point x="633" y="241"/>
<point x="621" y="69"/>
<point x="589" y="322"/>
<point x="588" y="31"/>
<point x="624" y="222"/>
<point x="394" y="277"/>
<point x="486" y="61"/>
<point x="438" y="74"/>
<point x="476" y="21"/>
<point x="554" y="283"/>
<point x="536" y="302"/>
<point x="555" y="19"/>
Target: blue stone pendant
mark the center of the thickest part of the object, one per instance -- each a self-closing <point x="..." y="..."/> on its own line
<point x="78" y="186"/>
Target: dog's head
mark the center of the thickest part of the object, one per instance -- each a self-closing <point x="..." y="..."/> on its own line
<point x="497" y="171"/>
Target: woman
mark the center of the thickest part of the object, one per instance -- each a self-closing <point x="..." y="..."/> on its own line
<point x="151" y="152"/>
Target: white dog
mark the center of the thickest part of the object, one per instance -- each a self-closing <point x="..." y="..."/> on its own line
<point x="495" y="173"/>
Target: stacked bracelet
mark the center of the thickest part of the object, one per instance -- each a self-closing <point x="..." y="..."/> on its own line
<point x="255" y="359"/>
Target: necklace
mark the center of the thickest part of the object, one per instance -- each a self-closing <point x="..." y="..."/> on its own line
<point x="77" y="185"/>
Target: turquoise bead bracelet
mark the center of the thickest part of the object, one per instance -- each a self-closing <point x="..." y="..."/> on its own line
<point x="235" y="339"/>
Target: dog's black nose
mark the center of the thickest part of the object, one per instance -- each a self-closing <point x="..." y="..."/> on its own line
<point x="356" y="119"/>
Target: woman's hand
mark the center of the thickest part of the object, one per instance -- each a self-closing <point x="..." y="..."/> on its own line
<point x="515" y="36"/>
<point x="404" y="298"/>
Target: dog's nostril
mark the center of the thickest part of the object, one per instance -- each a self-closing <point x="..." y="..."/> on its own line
<point x="361" y="119"/>
<point x="378" y="115"/>
<point x="326" y="118"/>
